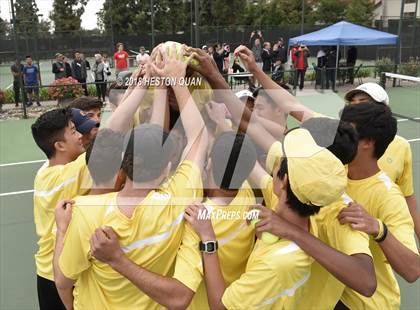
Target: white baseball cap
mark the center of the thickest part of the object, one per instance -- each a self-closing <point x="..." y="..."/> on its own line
<point x="244" y="93"/>
<point x="373" y="90"/>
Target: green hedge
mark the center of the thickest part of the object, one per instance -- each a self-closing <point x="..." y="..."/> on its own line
<point x="43" y="94"/>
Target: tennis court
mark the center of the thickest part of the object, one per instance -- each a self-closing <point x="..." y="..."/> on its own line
<point x="20" y="159"/>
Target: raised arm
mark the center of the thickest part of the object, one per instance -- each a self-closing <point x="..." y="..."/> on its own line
<point x="160" y="108"/>
<point x="287" y="102"/>
<point x="195" y="129"/>
<point x="241" y="115"/>
<point x="122" y="118"/>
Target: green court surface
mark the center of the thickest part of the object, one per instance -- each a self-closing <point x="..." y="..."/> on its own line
<point x="17" y="229"/>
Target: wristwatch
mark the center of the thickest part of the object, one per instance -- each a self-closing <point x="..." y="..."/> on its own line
<point x="208" y="246"/>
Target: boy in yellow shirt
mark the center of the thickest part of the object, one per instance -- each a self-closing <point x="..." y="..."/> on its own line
<point x="342" y="141"/>
<point x="277" y="271"/>
<point x="146" y="214"/>
<point x="228" y="199"/>
<point x="383" y="213"/>
<point x="62" y="176"/>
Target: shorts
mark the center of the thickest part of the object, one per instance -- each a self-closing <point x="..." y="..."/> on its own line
<point x="48" y="297"/>
<point x="32" y="88"/>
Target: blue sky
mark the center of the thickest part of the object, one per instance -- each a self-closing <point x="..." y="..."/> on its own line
<point x="45" y="6"/>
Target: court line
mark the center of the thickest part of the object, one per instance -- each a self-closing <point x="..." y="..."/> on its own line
<point x="406" y="119"/>
<point x="414" y="140"/>
<point x="23" y="163"/>
<point x="16" y="193"/>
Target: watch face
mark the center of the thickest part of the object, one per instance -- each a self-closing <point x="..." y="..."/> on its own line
<point x="210" y="247"/>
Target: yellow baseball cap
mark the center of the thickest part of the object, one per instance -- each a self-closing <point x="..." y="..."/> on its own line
<point x="315" y="175"/>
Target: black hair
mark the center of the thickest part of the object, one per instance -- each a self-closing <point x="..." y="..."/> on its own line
<point x="295" y="204"/>
<point x="148" y="152"/>
<point x="233" y="157"/>
<point x="28" y="56"/>
<point x="107" y="148"/>
<point x="86" y="103"/>
<point x="374" y="122"/>
<point x="49" y="128"/>
<point x="339" y="137"/>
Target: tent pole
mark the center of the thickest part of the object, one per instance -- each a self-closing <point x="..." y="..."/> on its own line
<point x="336" y="67"/>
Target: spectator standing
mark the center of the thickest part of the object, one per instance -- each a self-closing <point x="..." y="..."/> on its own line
<point x="120" y="58"/>
<point x="226" y="58"/>
<point x="266" y="57"/>
<point x="301" y="64"/>
<point x="218" y="55"/>
<point x="107" y="67"/>
<point x="31" y="80"/>
<point x="67" y="66"/>
<point x="320" y="67"/>
<point x="58" y="67"/>
<point x="16" y="70"/>
<point x="279" y="59"/>
<point x="255" y="44"/>
<point x="351" y="62"/>
<point x="331" y="62"/>
<point x="79" y="70"/>
<point x="142" y="58"/>
<point x="99" y="75"/>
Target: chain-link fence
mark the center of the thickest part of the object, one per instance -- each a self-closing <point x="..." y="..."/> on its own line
<point x="45" y="45"/>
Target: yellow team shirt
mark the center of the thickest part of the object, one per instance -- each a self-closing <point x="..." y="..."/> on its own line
<point x="398" y="165"/>
<point x="382" y="199"/>
<point x="51" y="185"/>
<point x="396" y="162"/>
<point x="235" y="238"/>
<point x="270" y="198"/>
<point x="323" y="290"/>
<point x="274" y="277"/>
<point x="150" y="238"/>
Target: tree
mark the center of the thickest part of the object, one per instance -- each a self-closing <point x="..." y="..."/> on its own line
<point x="26" y="17"/>
<point x="330" y="11"/>
<point x="221" y="13"/>
<point x="360" y="12"/>
<point x="4" y="28"/>
<point x="172" y="15"/>
<point x="126" y="16"/>
<point x="66" y="15"/>
<point x="44" y="28"/>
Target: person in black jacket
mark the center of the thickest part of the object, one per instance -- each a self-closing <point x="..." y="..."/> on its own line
<point x="68" y="66"/>
<point x="266" y="57"/>
<point x="58" y="67"/>
<point x="351" y="62"/>
<point x="218" y="55"/>
<point x="78" y="68"/>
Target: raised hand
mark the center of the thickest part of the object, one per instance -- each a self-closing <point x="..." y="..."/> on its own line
<point x="206" y="64"/>
<point x="174" y="65"/>
<point x="217" y="112"/>
<point x="247" y="57"/>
